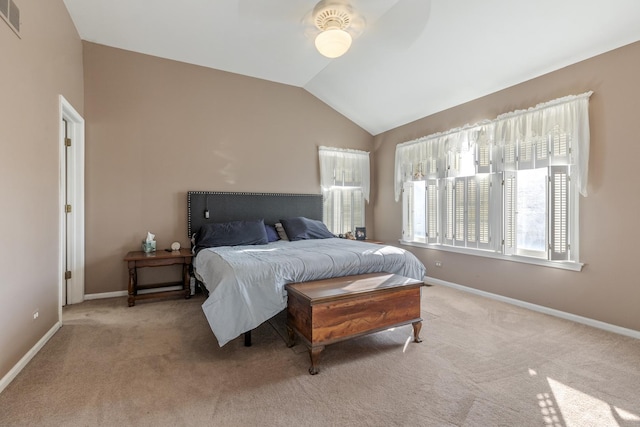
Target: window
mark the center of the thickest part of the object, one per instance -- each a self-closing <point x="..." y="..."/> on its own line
<point x="508" y="188"/>
<point x="344" y="176"/>
<point x="537" y="213"/>
<point x="531" y="211"/>
<point x="415" y="201"/>
<point x="467" y="211"/>
<point x="343" y="209"/>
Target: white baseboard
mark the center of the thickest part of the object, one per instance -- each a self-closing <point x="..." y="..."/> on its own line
<point x="6" y="380"/>
<point x="125" y="293"/>
<point x="105" y="295"/>
<point x="539" y="308"/>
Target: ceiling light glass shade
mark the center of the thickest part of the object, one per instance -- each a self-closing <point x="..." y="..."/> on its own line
<point x="333" y="42"/>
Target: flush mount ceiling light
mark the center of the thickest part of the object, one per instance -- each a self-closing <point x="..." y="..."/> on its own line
<point x="332" y="18"/>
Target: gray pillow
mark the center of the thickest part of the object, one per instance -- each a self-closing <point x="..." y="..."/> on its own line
<point x="272" y="233"/>
<point x="233" y="233"/>
<point x="301" y="228"/>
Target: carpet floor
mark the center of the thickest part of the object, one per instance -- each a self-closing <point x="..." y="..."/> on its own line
<point x="482" y="363"/>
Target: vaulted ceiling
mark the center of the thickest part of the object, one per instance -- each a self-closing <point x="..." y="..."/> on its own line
<point x="411" y="59"/>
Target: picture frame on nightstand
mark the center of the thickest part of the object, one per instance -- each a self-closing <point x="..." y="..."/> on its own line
<point x="361" y="233"/>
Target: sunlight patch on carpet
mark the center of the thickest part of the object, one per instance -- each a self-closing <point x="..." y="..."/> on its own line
<point x="581" y="409"/>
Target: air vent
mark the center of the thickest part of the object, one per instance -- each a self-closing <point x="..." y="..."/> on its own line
<point x="11" y="15"/>
<point x="4" y="8"/>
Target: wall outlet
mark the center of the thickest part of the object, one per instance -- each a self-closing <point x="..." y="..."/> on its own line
<point x="35" y="314"/>
<point x="438" y="263"/>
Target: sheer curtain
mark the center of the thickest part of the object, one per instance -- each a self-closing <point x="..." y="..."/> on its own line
<point x="554" y="132"/>
<point x="345" y="182"/>
<point x="341" y="167"/>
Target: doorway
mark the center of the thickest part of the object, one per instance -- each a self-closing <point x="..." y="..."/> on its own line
<point x="71" y="225"/>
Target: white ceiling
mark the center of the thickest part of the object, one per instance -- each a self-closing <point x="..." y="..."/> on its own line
<point x="412" y="59"/>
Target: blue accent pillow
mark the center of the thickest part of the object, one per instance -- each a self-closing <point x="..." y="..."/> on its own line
<point x="301" y="228"/>
<point x="233" y="233"/>
<point x="272" y="234"/>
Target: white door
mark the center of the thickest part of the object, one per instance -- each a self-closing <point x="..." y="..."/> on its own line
<point x="66" y="246"/>
<point x="71" y="259"/>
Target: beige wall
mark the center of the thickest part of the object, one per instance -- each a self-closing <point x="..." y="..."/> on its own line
<point x="158" y="128"/>
<point x="608" y="288"/>
<point x="34" y="70"/>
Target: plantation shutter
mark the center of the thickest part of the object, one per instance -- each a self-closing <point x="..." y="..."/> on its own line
<point x="484" y="157"/>
<point x="509" y="156"/>
<point x="472" y="212"/>
<point x="459" y="200"/>
<point x="510" y="206"/>
<point x="449" y="211"/>
<point x="407" y="219"/>
<point x="525" y="154"/>
<point x="560" y="147"/>
<point x="484" y="211"/>
<point x="432" y="166"/>
<point x="496" y="212"/>
<point x="432" y="210"/>
<point x="542" y="152"/>
<point x="559" y="213"/>
<point x="484" y="149"/>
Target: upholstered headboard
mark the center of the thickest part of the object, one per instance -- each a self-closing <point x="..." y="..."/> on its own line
<point x="271" y="207"/>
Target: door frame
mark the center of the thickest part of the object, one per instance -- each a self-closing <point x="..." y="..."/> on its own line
<point x="71" y="175"/>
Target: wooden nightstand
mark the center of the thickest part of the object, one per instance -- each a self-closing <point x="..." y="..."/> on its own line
<point x="139" y="259"/>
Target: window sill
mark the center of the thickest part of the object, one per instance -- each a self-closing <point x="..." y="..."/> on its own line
<point x="564" y="265"/>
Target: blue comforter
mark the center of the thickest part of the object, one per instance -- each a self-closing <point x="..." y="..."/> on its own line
<point x="246" y="283"/>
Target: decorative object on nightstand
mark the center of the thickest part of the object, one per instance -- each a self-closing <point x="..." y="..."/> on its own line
<point x="175" y="246"/>
<point x="361" y="233"/>
<point x="149" y="244"/>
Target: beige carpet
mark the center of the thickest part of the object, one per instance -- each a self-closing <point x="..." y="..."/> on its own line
<point x="482" y="363"/>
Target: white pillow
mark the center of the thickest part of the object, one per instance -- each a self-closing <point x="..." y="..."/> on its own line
<point x="281" y="232"/>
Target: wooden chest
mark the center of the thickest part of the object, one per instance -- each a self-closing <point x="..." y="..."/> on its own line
<point x="326" y="311"/>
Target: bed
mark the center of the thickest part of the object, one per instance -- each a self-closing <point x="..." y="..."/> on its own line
<point x="245" y="282"/>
